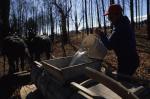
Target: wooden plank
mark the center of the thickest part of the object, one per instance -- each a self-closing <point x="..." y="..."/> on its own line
<point x="98" y="91"/>
<point x="85" y="95"/>
<point x="110" y="83"/>
<point x="81" y="88"/>
<point x="103" y="91"/>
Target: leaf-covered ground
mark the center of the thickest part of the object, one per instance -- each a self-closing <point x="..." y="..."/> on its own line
<point x="143" y="48"/>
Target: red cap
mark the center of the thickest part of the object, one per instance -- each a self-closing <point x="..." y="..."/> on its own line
<point x="114" y="9"/>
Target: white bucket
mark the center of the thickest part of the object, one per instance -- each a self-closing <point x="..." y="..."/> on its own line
<point x="94" y="46"/>
<point x="91" y="47"/>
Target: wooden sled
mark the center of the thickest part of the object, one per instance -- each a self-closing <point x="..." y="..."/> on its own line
<point x="101" y="86"/>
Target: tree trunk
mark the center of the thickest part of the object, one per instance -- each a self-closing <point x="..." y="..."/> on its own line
<point x="68" y="20"/>
<point x="112" y="1"/>
<point x="148" y="19"/>
<point x="83" y="18"/>
<point x="91" y="3"/>
<point x="118" y="1"/>
<point x="64" y="30"/>
<point x="4" y="20"/>
<point x="52" y="24"/>
<point x="132" y="13"/>
<point x="136" y="12"/>
<point x="76" y="20"/>
<point x="86" y="19"/>
<point x="123" y="3"/>
<point x="139" y="14"/>
<point x="63" y="14"/>
<point x="4" y="14"/>
<point x="105" y="28"/>
<point x="98" y="18"/>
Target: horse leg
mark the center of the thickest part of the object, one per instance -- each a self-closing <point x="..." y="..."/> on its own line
<point x="47" y="55"/>
<point x="37" y="56"/>
<point x="17" y="65"/>
<point x="11" y="65"/>
<point x="22" y="63"/>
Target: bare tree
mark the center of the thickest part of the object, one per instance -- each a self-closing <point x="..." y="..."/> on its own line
<point x="63" y="10"/>
<point x="139" y="14"/>
<point x="98" y="13"/>
<point x="68" y="17"/>
<point x="123" y="3"/>
<point x="136" y="12"/>
<point x="76" y="18"/>
<point x="86" y="19"/>
<point x="4" y="17"/>
<point x="103" y="6"/>
<point x="91" y="14"/>
<point x="83" y="16"/>
<point x="52" y="23"/>
<point x="64" y="14"/>
<point x="141" y="10"/>
<point x="132" y="13"/>
<point x="112" y="1"/>
<point x="148" y="19"/>
<point x="118" y="1"/>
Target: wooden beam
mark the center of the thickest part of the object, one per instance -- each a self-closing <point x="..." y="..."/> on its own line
<point x="115" y="86"/>
<point x="86" y="92"/>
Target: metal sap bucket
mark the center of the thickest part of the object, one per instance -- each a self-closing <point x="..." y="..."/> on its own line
<point x="94" y="47"/>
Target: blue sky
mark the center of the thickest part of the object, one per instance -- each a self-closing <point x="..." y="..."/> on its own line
<point x="143" y="5"/>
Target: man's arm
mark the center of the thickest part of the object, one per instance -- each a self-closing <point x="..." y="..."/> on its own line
<point x="106" y="41"/>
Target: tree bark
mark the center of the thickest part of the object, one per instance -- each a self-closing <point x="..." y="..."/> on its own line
<point x="86" y="19"/>
<point x="112" y="1"/>
<point x="148" y="19"/>
<point x="91" y="5"/>
<point x="4" y="15"/>
<point x="63" y="16"/>
<point x="4" y="20"/>
<point x="52" y="24"/>
<point x="139" y="15"/>
<point x="76" y="20"/>
<point x="136" y="12"/>
<point x="123" y="3"/>
<point x="98" y="18"/>
<point x="105" y="28"/>
<point x="64" y="30"/>
<point x="132" y="13"/>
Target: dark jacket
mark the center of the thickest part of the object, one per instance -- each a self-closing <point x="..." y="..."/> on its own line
<point x="122" y="41"/>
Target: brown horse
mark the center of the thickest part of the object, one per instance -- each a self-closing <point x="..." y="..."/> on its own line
<point x="40" y="44"/>
<point x="15" y="49"/>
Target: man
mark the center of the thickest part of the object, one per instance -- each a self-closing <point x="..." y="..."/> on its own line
<point x="122" y="41"/>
